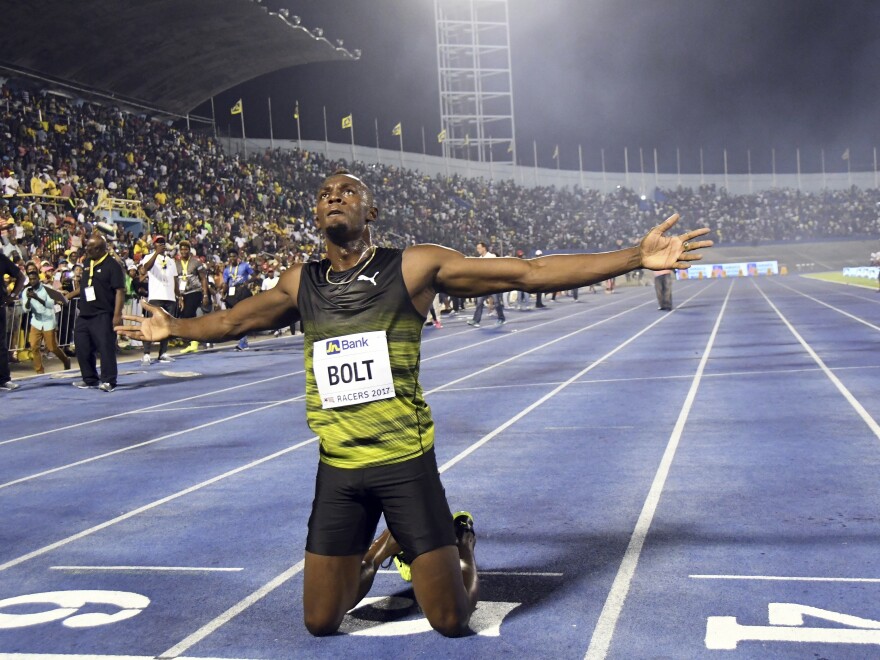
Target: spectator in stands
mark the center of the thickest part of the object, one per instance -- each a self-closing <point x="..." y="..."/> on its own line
<point x="100" y="291"/>
<point x="163" y="285"/>
<point x="13" y="281"/>
<point x="663" y="289"/>
<point x="236" y="276"/>
<point x="192" y="287"/>
<point x="497" y="298"/>
<point x="40" y="306"/>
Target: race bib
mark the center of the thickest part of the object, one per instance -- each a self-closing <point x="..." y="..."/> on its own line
<point x="352" y="369"/>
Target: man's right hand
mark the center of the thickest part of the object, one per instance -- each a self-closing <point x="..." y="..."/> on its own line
<point x="155" y="328"/>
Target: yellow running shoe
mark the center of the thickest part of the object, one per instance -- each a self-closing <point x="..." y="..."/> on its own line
<point x="403" y="568"/>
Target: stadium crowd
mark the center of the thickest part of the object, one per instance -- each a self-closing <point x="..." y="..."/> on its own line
<point x="60" y="159"/>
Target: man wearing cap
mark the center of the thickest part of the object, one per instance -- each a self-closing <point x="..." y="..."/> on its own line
<point x="41" y="307"/>
<point x="163" y="290"/>
<point x="235" y="280"/>
<point x="100" y="287"/>
<point x="192" y="287"/>
<point x="7" y="298"/>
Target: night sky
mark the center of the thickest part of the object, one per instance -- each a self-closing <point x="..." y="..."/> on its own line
<point x="734" y="74"/>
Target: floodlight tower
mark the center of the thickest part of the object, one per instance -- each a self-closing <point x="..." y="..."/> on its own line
<point x="476" y="87"/>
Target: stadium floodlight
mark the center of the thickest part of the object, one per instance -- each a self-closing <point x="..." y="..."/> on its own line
<point x="339" y="43"/>
<point x="296" y="20"/>
<point x="356" y="52"/>
<point x="284" y="12"/>
<point x="318" y="32"/>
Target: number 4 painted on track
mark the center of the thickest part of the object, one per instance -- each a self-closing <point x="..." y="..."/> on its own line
<point x="787" y="625"/>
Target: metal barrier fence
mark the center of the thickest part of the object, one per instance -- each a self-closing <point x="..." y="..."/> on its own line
<point x="17" y="339"/>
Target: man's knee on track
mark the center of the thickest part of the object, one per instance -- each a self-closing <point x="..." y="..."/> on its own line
<point x="321" y="625"/>
<point x="451" y="623"/>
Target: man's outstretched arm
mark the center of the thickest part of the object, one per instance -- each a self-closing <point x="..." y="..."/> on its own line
<point x="458" y="275"/>
<point x="268" y="310"/>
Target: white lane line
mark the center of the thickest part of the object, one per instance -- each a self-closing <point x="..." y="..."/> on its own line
<point x="152" y="505"/>
<point x="860" y="410"/>
<point x="514" y="573"/>
<point x="783" y="578"/>
<point x="232" y="612"/>
<point x="93" y="656"/>
<point x="239" y="607"/>
<point x="151" y="569"/>
<point x="158" y="405"/>
<point x="147" y="507"/>
<point x="167" y="436"/>
<point x="298" y="398"/>
<point x="604" y="631"/>
<point x="822" y="302"/>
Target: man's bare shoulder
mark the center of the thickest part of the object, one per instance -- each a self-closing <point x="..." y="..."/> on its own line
<point x="431" y="252"/>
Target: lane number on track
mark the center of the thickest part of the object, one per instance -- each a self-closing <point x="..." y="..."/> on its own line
<point x="66" y="604"/>
<point x="386" y="616"/>
<point x="787" y="625"/>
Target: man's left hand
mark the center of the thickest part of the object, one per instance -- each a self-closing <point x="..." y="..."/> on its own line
<point x="661" y="252"/>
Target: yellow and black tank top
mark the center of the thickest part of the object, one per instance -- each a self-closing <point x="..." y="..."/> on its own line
<point x="377" y="432"/>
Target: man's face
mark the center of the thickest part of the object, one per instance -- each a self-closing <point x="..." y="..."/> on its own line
<point x="96" y="247"/>
<point x="184" y="251"/>
<point x="344" y="208"/>
<point x="33" y="277"/>
<point x="481" y="249"/>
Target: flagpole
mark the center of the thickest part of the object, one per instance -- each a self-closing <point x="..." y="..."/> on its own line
<point x="797" y="152"/>
<point x="424" y="146"/>
<point x="773" y="164"/>
<point x="642" y="168"/>
<point x="326" y="142"/>
<point x="875" y="167"/>
<point x="678" y="166"/>
<point x="243" y="136"/>
<point x="580" y="167"/>
<point x="351" y="128"/>
<point x="604" y="177"/>
<point x="491" y="164"/>
<point x="626" y="166"/>
<point x="535" y="155"/>
<point x="749" y="161"/>
<point x="848" y="167"/>
<point x="271" y="133"/>
<point x="187" y="121"/>
<point x="656" y="170"/>
<point x="299" y="144"/>
<point x="823" y="169"/>
<point x="701" y="166"/>
<point x="400" y="135"/>
<point x="726" y="182"/>
<point x="213" y="118"/>
<point x="376" y="123"/>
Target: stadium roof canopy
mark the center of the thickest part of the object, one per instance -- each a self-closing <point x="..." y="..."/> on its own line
<point x="168" y="55"/>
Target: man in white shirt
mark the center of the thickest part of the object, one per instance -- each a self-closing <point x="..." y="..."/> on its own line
<point x="162" y="290"/>
<point x="270" y="280"/>
<point x="483" y="251"/>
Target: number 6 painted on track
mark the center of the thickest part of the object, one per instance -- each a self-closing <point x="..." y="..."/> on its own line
<point x="68" y="603"/>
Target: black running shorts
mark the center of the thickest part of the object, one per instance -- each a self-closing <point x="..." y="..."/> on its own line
<point x="348" y="503"/>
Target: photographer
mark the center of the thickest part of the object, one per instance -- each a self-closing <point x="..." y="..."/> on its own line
<point x="37" y="300"/>
<point x="163" y="287"/>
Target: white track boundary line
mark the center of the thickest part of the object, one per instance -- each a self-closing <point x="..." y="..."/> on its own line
<point x="605" y="626"/>
<point x="152" y="505"/>
<point x="858" y="407"/>
<point x="784" y="578"/>
<point x="249" y="600"/>
<point x="300" y="371"/>
<point x="300" y="397"/>
<point x="147" y="507"/>
<point x="148" y="408"/>
<point x="822" y="302"/>
<point x="167" y="436"/>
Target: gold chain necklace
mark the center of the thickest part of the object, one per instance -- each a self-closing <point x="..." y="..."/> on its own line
<point x="360" y="270"/>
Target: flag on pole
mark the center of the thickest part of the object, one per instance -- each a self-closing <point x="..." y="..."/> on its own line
<point x="236" y="109"/>
<point x="510" y="147"/>
<point x="556" y="153"/>
<point x="441" y="136"/>
<point x="467" y="140"/>
<point x="845" y="155"/>
<point x="397" y="130"/>
<point x="296" y="111"/>
<point x="346" y="122"/>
